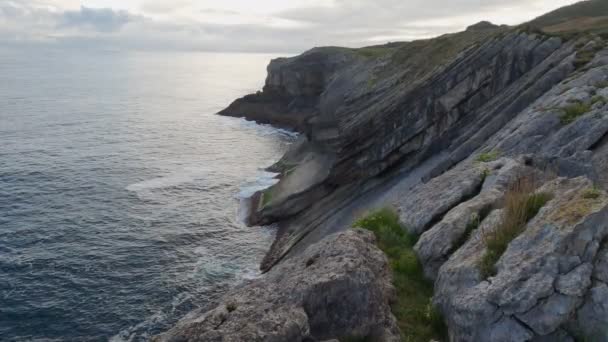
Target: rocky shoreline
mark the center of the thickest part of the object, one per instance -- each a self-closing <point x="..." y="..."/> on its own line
<point x="441" y="130"/>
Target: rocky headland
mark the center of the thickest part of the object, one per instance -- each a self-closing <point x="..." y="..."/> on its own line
<point x="459" y="135"/>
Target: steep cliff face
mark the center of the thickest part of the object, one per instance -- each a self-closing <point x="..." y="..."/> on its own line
<point x="293" y="87"/>
<point x="397" y="107"/>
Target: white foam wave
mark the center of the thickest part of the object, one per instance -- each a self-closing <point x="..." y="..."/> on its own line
<point x="262" y="181"/>
<point x="265" y="129"/>
<point x="138" y="331"/>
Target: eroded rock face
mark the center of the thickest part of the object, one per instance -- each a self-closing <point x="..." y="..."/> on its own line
<point x="543" y="278"/>
<point x="437" y="243"/>
<point x="338" y="288"/>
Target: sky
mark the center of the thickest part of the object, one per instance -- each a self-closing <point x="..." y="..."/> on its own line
<point x="249" y="25"/>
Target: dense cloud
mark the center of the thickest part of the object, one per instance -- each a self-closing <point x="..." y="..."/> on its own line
<point x="198" y="25"/>
<point x="103" y="20"/>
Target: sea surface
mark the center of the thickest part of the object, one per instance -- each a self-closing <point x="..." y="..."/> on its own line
<point x="120" y="188"/>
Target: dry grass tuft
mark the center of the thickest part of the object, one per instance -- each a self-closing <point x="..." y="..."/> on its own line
<point x="521" y="205"/>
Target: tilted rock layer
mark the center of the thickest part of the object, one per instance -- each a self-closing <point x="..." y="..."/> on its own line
<point x="543" y="279"/>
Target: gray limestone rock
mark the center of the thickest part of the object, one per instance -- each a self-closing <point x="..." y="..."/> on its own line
<point x="537" y="286"/>
<point x="437" y="243"/>
<point x="338" y="288"/>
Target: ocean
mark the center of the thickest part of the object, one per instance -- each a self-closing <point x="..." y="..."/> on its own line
<point x="120" y="189"/>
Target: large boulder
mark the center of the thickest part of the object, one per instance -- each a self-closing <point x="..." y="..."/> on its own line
<point x="339" y="288"/>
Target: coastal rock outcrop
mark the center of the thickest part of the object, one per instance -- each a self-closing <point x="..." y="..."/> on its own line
<point x="339" y="288"/>
<point x="293" y="87"/>
<point x="440" y="130"/>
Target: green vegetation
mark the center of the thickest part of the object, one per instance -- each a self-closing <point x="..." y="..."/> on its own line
<point x="472" y="226"/>
<point x="416" y="316"/>
<point x="583" y="16"/>
<point x="485" y="174"/>
<point x="586" y="54"/>
<point x="487" y="157"/>
<point x="266" y="197"/>
<point x="231" y="307"/>
<point x="573" y="112"/>
<point x="583" y="58"/>
<point x="592" y="193"/>
<point x="596" y="336"/>
<point x="598" y="99"/>
<point x="371" y="82"/>
<point x="375" y="51"/>
<point x="420" y="58"/>
<point x="521" y="205"/>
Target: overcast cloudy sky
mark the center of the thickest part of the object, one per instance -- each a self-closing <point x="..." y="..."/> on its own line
<point x="248" y="25"/>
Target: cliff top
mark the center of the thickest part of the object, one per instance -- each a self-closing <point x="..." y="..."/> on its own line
<point x="584" y="16"/>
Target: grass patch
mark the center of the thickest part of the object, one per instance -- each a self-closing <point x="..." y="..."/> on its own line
<point x="583" y="58"/>
<point x="487" y="157"/>
<point x="583" y="9"/>
<point x="472" y="226"/>
<point x="416" y="316"/>
<point x="593" y="193"/>
<point x="521" y="205"/>
<point x="598" y="99"/>
<point x="573" y="112"/>
<point x="375" y="51"/>
<point x="266" y="197"/>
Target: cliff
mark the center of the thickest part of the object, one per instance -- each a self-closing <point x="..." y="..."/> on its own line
<point x="443" y="130"/>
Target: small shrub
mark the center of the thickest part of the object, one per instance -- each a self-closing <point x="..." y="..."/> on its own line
<point x="521" y="205"/>
<point x="593" y="193"/>
<point x="573" y="112"/>
<point x="231" y="307"/>
<point x="487" y="157"/>
<point x="418" y="320"/>
<point x="583" y="58"/>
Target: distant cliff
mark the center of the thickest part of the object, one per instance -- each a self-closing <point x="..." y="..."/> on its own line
<point x="441" y="130"/>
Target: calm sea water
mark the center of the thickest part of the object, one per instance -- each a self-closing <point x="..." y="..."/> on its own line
<point x="119" y="189"/>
